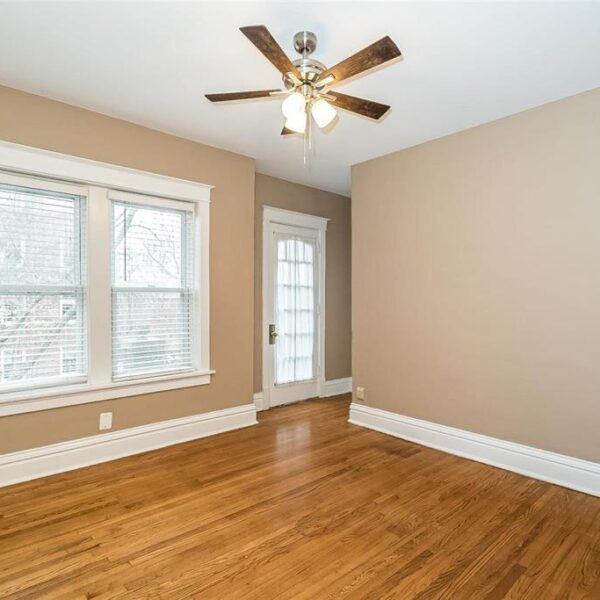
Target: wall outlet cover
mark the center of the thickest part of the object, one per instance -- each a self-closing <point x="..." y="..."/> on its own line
<point x="360" y="393"/>
<point x="105" y="421"/>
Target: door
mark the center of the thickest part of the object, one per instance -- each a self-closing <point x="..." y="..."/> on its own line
<point x="292" y="356"/>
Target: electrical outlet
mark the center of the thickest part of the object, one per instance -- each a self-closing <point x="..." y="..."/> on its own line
<point x="360" y="393"/>
<point x="105" y="421"/>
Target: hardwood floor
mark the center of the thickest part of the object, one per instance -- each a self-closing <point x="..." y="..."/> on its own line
<point x="302" y="506"/>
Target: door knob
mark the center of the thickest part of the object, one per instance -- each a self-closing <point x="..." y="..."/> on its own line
<point x="272" y="333"/>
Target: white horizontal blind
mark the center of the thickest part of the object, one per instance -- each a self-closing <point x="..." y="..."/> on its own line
<point x="42" y="286"/>
<point x="153" y="292"/>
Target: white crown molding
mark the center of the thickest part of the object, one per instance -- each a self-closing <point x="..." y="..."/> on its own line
<point x="335" y="387"/>
<point x="45" y="163"/>
<point x="66" y="456"/>
<point x="566" y="471"/>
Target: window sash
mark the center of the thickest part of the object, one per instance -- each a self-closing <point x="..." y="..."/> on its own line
<point x="38" y="329"/>
<point x="172" y="338"/>
<point x="44" y="334"/>
<point x="152" y="353"/>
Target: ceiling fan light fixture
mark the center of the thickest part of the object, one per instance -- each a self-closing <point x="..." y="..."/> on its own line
<point x="293" y="106"/>
<point x="323" y="112"/>
<point x="307" y="81"/>
<point x="296" y="123"/>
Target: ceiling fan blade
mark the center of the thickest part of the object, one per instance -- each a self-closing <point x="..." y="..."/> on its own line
<point x="376" y="54"/>
<point x="240" y="95"/>
<point x="286" y="131"/>
<point x="367" y="108"/>
<point x="260" y="36"/>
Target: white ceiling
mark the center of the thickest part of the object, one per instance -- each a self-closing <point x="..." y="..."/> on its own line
<point x="151" y="63"/>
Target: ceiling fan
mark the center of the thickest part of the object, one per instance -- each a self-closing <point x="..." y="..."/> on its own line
<point x="307" y="81"/>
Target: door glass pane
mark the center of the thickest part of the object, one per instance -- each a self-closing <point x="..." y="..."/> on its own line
<point x="295" y="309"/>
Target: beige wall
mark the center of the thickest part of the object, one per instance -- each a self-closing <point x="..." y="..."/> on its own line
<point x="271" y="191"/>
<point x="476" y="278"/>
<point x="36" y="121"/>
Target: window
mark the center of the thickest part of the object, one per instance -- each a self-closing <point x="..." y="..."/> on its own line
<point x="103" y="292"/>
<point x="42" y="270"/>
<point x="152" y="293"/>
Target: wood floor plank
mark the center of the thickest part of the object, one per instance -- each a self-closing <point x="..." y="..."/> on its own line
<point x="304" y="506"/>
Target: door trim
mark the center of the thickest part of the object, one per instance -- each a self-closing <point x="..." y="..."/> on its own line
<point x="280" y="216"/>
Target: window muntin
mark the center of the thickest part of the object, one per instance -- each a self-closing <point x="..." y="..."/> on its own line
<point x="152" y="289"/>
<point x="42" y="267"/>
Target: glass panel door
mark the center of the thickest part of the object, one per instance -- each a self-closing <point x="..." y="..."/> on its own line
<point x="295" y="309"/>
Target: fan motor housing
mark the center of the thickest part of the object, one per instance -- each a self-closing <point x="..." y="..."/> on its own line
<point x="305" y="42"/>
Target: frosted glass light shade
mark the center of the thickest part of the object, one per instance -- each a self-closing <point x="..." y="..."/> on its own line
<point x="323" y="112"/>
<point x="296" y="122"/>
<point x="293" y="105"/>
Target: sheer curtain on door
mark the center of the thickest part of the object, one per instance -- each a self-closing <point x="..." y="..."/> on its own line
<point x="295" y="309"/>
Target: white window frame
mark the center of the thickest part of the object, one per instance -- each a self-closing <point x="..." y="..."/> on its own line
<point x="99" y="179"/>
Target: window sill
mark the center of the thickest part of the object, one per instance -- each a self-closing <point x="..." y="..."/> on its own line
<point x="15" y="403"/>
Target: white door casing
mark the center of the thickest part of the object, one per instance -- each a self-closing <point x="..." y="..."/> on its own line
<point x="277" y="223"/>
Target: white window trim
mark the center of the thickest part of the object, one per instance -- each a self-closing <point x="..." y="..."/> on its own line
<point x="35" y="161"/>
<point x="98" y="181"/>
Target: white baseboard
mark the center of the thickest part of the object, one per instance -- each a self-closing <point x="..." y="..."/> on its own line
<point x="66" y="456"/>
<point x="574" y="473"/>
<point x="335" y="387"/>
<point x="259" y="401"/>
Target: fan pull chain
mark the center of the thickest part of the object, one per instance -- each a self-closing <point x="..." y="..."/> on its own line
<point x="304" y="147"/>
<point x="307" y="137"/>
<point x="304" y="143"/>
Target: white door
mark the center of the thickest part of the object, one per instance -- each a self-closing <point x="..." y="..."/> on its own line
<point x="292" y="352"/>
